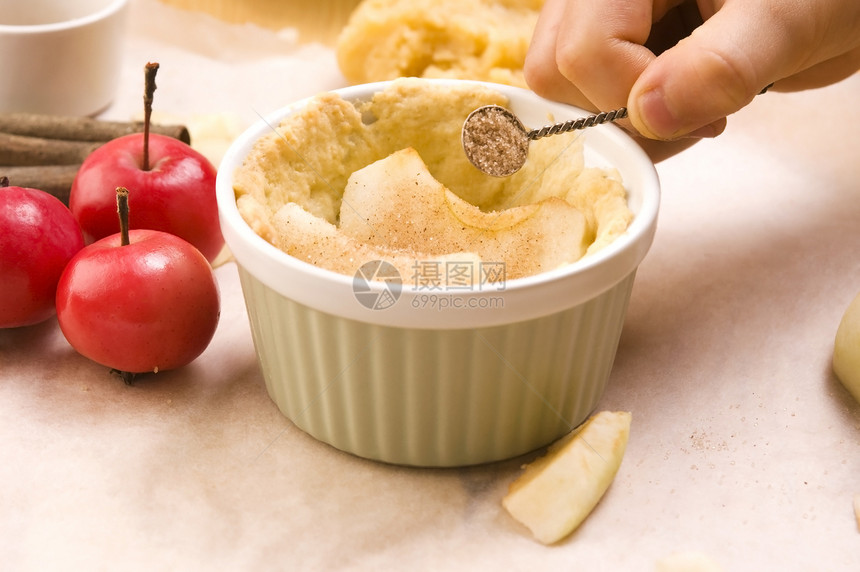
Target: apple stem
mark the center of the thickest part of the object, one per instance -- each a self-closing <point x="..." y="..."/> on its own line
<point x="127" y="376"/>
<point x="149" y="70"/>
<point x="122" y="211"/>
<point x="4" y="181"/>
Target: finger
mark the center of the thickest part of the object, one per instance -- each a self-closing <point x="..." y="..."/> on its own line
<point x="822" y="74"/>
<point x="717" y="70"/>
<point x="600" y="48"/>
<point x="541" y="69"/>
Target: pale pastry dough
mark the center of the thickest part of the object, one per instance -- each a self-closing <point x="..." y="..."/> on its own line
<point x="466" y="39"/>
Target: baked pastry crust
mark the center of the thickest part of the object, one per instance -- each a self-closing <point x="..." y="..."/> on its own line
<point x="483" y="40"/>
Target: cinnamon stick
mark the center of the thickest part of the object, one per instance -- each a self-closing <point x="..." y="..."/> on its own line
<point x="81" y="128"/>
<point x="23" y="151"/>
<point x="54" y="179"/>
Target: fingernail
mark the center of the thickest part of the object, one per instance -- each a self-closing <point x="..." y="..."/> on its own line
<point x="658" y="121"/>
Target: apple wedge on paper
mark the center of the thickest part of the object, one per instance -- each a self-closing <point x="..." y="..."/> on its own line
<point x="857" y="510"/>
<point x="846" y="349"/>
<point x="557" y="492"/>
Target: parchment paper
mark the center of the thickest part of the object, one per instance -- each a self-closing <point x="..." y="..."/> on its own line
<point x="744" y="445"/>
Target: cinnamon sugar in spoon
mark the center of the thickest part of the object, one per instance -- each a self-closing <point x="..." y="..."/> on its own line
<point x="497" y="143"/>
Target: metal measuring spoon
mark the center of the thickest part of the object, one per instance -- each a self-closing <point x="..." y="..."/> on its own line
<point x="497" y="143"/>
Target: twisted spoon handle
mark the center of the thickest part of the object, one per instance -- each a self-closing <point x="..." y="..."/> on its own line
<point x="581" y="123"/>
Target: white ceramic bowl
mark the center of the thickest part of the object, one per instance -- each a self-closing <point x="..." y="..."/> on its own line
<point x="60" y="57"/>
<point x="456" y="377"/>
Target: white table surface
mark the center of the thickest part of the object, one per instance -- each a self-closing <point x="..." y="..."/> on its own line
<point x="744" y="445"/>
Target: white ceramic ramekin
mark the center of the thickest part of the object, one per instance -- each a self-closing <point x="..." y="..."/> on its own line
<point x="60" y="57"/>
<point x="446" y="378"/>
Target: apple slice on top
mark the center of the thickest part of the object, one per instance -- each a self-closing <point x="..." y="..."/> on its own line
<point x="396" y="202"/>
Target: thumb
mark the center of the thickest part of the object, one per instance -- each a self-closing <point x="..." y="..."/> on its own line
<point x="690" y="88"/>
